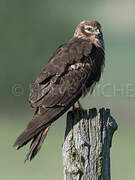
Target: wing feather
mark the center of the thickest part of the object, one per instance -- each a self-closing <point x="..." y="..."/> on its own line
<point x="56" y="103"/>
<point x="57" y="88"/>
<point x="65" y="56"/>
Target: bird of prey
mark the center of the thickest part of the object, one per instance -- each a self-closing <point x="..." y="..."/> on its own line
<point x="72" y="71"/>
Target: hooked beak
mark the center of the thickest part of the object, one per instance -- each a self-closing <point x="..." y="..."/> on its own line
<point x="97" y="32"/>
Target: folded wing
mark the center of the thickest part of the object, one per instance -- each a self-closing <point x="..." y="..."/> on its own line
<point x="56" y="89"/>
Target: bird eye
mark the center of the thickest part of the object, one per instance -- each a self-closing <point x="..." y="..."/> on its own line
<point x="89" y="29"/>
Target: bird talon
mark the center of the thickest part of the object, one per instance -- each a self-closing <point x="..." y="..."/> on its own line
<point x="79" y="108"/>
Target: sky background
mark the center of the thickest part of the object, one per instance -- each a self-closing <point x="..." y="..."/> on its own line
<point x="29" y="33"/>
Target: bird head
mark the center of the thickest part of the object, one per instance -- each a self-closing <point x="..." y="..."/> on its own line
<point x="90" y="30"/>
<point x="86" y="29"/>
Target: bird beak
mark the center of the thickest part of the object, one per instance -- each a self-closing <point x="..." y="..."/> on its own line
<point x="97" y="32"/>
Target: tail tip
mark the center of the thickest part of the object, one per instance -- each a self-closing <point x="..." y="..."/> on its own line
<point x="16" y="145"/>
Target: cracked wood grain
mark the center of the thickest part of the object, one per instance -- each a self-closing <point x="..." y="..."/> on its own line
<point x="86" y="148"/>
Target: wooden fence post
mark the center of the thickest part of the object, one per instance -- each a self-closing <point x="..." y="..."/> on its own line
<point x="86" y="148"/>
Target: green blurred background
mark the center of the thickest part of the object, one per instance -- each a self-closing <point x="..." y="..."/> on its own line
<point x="29" y="32"/>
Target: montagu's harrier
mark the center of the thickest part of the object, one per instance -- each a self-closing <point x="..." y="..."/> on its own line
<point x="72" y="71"/>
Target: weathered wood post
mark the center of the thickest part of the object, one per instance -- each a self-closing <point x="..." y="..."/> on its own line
<point x="86" y="149"/>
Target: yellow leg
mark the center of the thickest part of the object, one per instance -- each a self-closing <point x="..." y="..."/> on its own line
<point x="80" y="106"/>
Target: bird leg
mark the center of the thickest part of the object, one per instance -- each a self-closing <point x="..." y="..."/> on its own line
<point x="80" y="106"/>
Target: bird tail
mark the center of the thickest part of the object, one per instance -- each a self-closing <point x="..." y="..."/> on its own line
<point x="36" y="143"/>
<point x="37" y="129"/>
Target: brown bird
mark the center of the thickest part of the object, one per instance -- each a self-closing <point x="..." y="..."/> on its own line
<point x="72" y="71"/>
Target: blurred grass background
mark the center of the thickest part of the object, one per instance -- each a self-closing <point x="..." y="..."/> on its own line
<point x="30" y="31"/>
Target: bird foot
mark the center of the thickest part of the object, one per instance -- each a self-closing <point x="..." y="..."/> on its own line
<point x="80" y="108"/>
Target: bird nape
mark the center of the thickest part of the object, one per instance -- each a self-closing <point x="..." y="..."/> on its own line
<point x="72" y="71"/>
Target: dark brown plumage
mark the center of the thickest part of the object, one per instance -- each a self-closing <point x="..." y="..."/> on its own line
<point x="71" y="72"/>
